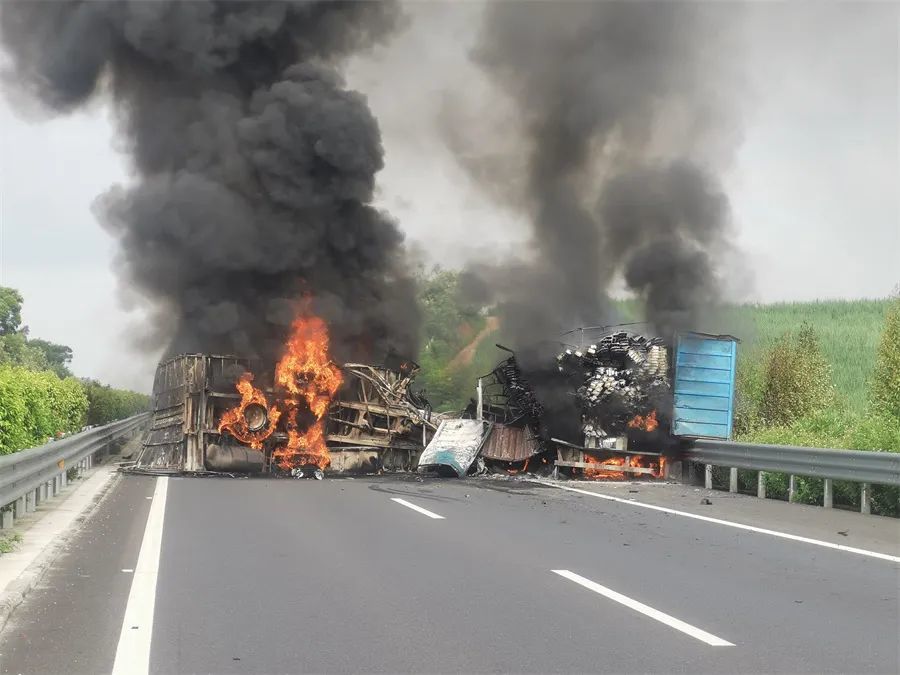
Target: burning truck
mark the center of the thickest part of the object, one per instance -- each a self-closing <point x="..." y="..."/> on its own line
<point x="615" y="408"/>
<point x="214" y="414"/>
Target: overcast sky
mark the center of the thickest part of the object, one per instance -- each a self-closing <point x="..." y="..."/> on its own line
<point x="814" y="185"/>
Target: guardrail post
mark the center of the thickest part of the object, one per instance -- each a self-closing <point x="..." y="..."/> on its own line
<point x="6" y="519"/>
<point x="54" y="486"/>
<point x="732" y="479"/>
<point x="865" y="499"/>
<point x="761" y="485"/>
<point x="20" y="507"/>
<point x="828" y="500"/>
<point x="31" y="501"/>
<point x="707" y="482"/>
<point x="63" y="479"/>
<point x="792" y="488"/>
<point x="40" y="493"/>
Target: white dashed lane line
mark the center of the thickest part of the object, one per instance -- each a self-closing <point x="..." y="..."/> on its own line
<point x="646" y="610"/>
<point x="409" y="505"/>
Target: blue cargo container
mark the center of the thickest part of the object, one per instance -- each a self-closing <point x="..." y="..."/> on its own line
<point x="704" y="385"/>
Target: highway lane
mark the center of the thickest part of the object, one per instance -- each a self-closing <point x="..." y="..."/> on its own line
<point x="335" y="576"/>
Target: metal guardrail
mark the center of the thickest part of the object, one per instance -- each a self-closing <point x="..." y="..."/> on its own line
<point x="851" y="465"/>
<point x="24" y="474"/>
<point x="864" y="467"/>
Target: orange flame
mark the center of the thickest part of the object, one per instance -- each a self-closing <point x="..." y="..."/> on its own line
<point x="648" y="423"/>
<point x="661" y="467"/>
<point x="234" y="422"/>
<point x="512" y="472"/>
<point x="604" y="473"/>
<point x="306" y="372"/>
<point x="635" y="461"/>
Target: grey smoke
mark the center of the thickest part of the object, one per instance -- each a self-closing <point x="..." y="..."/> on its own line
<point x="254" y="164"/>
<point x="621" y="111"/>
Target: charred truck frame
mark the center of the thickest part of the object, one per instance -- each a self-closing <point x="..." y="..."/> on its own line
<point x="374" y="422"/>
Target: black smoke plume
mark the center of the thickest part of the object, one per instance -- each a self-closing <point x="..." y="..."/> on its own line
<point x="620" y="120"/>
<point x="254" y="166"/>
<point x="619" y="117"/>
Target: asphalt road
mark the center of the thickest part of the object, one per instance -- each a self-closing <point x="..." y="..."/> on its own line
<point x="283" y="576"/>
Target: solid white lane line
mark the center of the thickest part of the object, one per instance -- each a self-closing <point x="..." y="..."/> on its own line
<point x="729" y="523"/>
<point x="662" y="617"/>
<point x="424" y="512"/>
<point x="133" y="652"/>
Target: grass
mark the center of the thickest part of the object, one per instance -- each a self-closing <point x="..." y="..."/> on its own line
<point x="9" y="543"/>
<point x="848" y="330"/>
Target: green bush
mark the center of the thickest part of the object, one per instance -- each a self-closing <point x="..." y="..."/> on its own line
<point x="36" y="406"/>
<point x="749" y="386"/>
<point x="106" y="404"/>
<point x="797" y="379"/>
<point x="886" y="378"/>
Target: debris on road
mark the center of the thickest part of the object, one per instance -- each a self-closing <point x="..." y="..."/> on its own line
<point x="454" y="447"/>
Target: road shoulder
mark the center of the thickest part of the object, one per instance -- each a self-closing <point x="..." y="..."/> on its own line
<point x="44" y="536"/>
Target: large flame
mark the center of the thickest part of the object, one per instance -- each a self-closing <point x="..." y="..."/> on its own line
<point x="305" y="382"/>
<point x="307" y="375"/>
<point x="234" y="422"/>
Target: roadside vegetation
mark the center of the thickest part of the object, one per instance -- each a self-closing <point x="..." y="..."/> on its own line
<point x="9" y="542"/>
<point x="40" y="399"/>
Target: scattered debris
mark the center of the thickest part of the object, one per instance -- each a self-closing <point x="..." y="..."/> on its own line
<point x="705" y="501"/>
<point x="308" y="472"/>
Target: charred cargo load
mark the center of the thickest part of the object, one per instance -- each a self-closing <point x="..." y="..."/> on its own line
<point x="636" y="398"/>
<point x="374" y="421"/>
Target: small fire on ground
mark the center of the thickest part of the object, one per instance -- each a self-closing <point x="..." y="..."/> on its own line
<point x="305" y="382"/>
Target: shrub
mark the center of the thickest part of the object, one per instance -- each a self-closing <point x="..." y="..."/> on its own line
<point x="36" y="406"/>
<point x="797" y="379"/>
<point x="885" y="391"/>
<point x="108" y="405"/>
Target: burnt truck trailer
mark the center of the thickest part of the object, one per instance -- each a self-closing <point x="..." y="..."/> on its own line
<point x="375" y="421"/>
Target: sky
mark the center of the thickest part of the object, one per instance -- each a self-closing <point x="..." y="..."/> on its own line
<point x="814" y="182"/>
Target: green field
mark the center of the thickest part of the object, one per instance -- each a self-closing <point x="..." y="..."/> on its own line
<point x="849" y="331"/>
